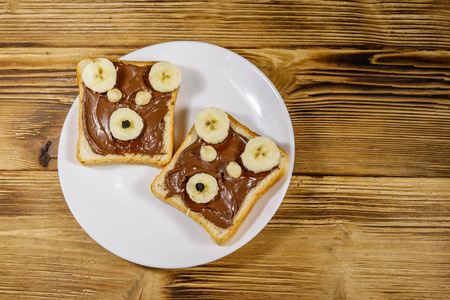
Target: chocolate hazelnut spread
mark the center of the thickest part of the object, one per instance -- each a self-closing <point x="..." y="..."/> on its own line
<point x="97" y="110"/>
<point x="232" y="191"/>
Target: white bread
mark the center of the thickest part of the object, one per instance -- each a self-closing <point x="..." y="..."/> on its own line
<point x="219" y="235"/>
<point x="87" y="156"/>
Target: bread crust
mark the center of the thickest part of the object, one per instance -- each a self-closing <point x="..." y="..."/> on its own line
<point x="88" y="157"/>
<point x="219" y="235"/>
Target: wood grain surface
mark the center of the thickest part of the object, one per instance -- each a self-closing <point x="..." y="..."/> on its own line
<point x="367" y="87"/>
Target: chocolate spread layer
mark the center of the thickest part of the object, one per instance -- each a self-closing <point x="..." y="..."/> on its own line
<point x="232" y="191"/>
<point x="97" y="110"/>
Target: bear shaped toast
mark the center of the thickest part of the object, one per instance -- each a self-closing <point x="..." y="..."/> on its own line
<point x="219" y="173"/>
<point x="126" y="111"/>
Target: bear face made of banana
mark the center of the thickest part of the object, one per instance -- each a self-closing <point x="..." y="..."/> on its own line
<point x="124" y="105"/>
<point x="212" y="125"/>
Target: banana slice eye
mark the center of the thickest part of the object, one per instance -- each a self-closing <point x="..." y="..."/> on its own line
<point x="100" y="75"/>
<point x="234" y="169"/>
<point x="260" y="154"/>
<point x="164" y="77"/>
<point x="202" y="188"/>
<point x="125" y="124"/>
<point x="212" y="125"/>
<point x="143" y="98"/>
<point x="114" y="95"/>
<point x="208" y="153"/>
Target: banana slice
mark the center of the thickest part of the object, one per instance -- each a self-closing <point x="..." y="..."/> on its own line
<point x="212" y="125"/>
<point x="260" y="154"/>
<point x="208" y="153"/>
<point x="100" y="75"/>
<point x="114" y="95"/>
<point x="202" y="187"/>
<point x="125" y="124"/>
<point x="143" y="98"/>
<point x="234" y="169"/>
<point x="164" y="77"/>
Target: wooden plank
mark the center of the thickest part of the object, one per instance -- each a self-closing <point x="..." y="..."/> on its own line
<point x="325" y="23"/>
<point x="332" y="237"/>
<point x="363" y="113"/>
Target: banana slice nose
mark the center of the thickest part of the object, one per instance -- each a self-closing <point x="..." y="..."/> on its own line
<point x="125" y="124"/>
<point x="202" y="188"/>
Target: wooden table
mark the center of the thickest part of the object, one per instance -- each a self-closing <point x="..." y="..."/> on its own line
<point x="366" y="83"/>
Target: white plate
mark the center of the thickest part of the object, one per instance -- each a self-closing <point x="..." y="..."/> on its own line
<point x="114" y="204"/>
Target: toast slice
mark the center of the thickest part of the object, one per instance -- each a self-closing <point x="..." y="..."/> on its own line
<point x="96" y="144"/>
<point x="180" y="199"/>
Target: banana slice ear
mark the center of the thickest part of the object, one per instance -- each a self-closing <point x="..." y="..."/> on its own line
<point x="260" y="154"/>
<point x="100" y="75"/>
<point x="164" y="77"/>
<point x="212" y="125"/>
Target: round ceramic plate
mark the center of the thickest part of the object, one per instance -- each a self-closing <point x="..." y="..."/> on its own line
<point x="114" y="204"/>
